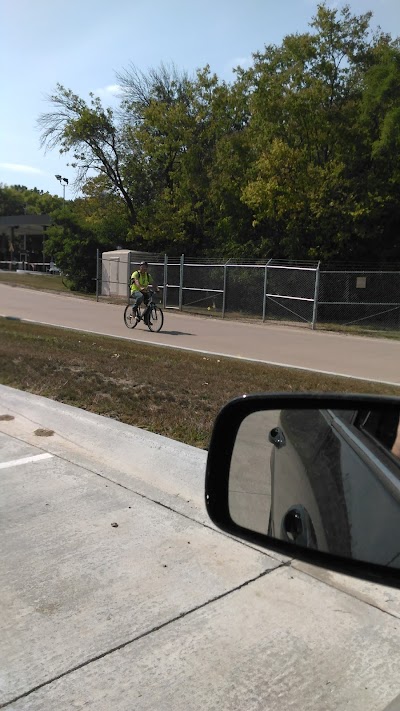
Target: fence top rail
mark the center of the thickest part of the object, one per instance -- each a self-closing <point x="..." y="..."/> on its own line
<point x="296" y="269"/>
<point x="225" y="264"/>
<point x="358" y="303"/>
<point x="261" y="261"/>
<point x="189" y="264"/>
<point x="135" y="266"/>
<point x="195" y="288"/>
<point x="293" y="298"/>
<point x="252" y="266"/>
<point x="358" y="271"/>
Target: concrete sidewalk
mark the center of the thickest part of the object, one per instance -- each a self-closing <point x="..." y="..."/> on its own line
<point x="374" y="359"/>
<point x="162" y="611"/>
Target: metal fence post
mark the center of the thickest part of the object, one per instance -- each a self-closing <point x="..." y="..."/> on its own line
<point x="224" y="293"/>
<point x="97" y="274"/>
<point x="316" y="293"/>
<point x="265" y="291"/>
<point x="181" y="282"/>
<point x="128" y="284"/>
<point x="165" y="281"/>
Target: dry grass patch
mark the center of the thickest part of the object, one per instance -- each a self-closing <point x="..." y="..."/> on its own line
<point x="173" y="393"/>
<point x="42" y="282"/>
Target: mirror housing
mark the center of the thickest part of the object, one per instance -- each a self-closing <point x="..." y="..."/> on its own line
<point x="294" y="532"/>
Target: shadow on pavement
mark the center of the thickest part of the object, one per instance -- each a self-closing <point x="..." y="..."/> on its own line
<point x="176" y="333"/>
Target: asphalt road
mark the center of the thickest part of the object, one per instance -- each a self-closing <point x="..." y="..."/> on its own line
<point x="355" y="356"/>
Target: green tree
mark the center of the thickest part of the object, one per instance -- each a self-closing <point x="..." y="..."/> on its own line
<point x="305" y="103"/>
<point x="296" y="158"/>
<point x="379" y="155"/>
<point x="103" y="211"/>
<point x="19" y="200"/>
<point x="93" y="136"/>
<point x="96" y="221"/>
<point x="158" y="109"/>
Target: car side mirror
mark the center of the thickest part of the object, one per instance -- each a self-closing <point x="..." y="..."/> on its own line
<point x="314" y="477"/>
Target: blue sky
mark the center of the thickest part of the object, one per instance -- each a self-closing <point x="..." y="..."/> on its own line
<point x="83" y="44"/>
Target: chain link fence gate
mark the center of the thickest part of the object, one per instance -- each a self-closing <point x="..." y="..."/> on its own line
<point x="273" y="291"/>
<point x="292" y="292"/>
<point x="369" y="299"/>
<point x="195" y="287"/>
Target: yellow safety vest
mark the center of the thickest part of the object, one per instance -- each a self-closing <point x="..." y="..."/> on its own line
<point x="143" y="279"/>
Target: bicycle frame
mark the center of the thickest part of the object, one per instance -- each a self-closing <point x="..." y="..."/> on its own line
<point x="143" y="308"/>
<point x="149" y="313"/>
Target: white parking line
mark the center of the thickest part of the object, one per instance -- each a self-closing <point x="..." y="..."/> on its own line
<point x="26" y="460"/>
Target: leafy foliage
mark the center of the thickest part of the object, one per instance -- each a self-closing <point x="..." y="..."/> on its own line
<point x="297" y="158"/>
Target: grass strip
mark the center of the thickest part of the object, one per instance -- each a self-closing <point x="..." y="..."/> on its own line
<point x="32" y="280"/>
<point x="173" y="393"/>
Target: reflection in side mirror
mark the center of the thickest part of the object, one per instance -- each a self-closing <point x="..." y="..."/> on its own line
<point x="324" y="479"/>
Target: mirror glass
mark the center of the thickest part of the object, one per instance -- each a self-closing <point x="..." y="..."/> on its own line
<point x="323" y="479"/>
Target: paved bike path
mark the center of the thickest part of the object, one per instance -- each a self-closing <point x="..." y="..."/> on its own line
<point x="362" y="357"/>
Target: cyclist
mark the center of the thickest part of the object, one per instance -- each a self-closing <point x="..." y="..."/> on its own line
<point x="140" y="282"/>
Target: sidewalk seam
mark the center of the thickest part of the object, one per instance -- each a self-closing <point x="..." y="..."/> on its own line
<point x="122" y="645"/>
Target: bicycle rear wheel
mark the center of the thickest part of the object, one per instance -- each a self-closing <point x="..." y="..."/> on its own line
<point x="129" y="317"/>
<point x="154" y="318"/>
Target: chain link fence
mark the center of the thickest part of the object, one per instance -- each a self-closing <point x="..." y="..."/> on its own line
<point x="368" y="299"/>
<point x="267" y="291"/>
<point x="25" y="266"/>
<point x="244" y="290"/>
<point x="202" y="288"/>
<point x="283" y="291"/>
<point x="291" y="293"/>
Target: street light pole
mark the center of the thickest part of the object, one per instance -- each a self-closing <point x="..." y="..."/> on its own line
<point x="63" y="182"/>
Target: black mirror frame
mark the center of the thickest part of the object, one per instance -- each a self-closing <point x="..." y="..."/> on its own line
<point x="219" y="457"/>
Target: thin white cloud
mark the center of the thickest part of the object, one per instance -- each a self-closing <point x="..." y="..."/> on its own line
<point x="20" y="168"/>
<point x="106" y="92"/>
<point x="242" y="62"/>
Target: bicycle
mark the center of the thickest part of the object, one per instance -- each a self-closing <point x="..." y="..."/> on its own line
<point x="151" y="314"/>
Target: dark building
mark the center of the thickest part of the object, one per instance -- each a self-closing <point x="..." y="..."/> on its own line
<point x="22" y="239"/>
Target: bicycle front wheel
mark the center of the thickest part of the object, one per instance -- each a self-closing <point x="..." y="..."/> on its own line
<point x="129" y="317"/>
<point x="155" y="318"/>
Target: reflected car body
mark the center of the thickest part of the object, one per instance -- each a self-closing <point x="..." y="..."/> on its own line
<point x="324" y="465"/>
